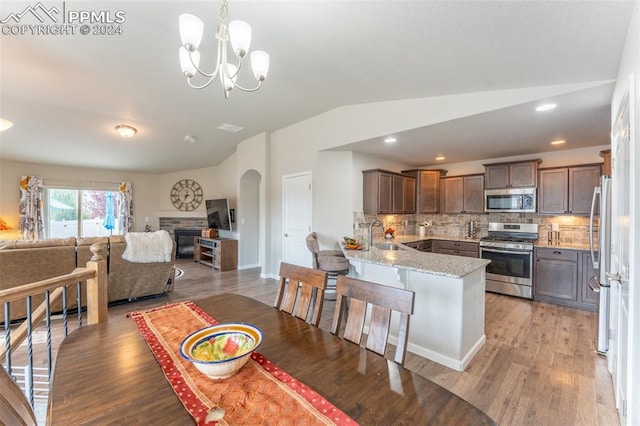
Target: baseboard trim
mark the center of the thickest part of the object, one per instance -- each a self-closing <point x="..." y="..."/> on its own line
<point x="243" y="267"/>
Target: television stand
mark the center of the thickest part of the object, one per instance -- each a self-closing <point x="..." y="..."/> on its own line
<point x="218" y="253"/>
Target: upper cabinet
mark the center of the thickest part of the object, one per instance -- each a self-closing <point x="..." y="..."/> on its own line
<point x="462" y="194"/>
<point x="520" y="174"/>
<point x="404" y="194"/>
<point x="385" y="192"/>
<point x="568" y="189"/>
<point x="427" y="189"/>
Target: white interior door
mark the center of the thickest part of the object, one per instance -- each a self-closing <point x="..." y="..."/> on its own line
<point x="296" y="209"/>
<point x="622" y="194"/>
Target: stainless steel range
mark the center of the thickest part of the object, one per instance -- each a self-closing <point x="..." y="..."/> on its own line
<point x="509" y="246"/>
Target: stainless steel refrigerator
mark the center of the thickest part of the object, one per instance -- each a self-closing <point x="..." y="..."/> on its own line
<point x="600" y="245"/>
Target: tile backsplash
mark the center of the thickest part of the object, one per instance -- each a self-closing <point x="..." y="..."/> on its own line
<point x="573" y="229"/>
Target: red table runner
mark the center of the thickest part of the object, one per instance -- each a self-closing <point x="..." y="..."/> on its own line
<point x="260" y="393"/>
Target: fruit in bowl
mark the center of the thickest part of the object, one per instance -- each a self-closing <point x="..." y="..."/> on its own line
<point x="221" y="350"/>
<point x="351" y="243"/>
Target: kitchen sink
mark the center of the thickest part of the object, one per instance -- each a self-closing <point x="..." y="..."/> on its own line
<point x="387" y="246"/>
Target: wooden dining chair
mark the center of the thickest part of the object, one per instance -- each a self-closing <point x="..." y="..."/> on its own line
<point x="301" y="288"/>
<point x="353" y="297"/>
<point x="14" y="407"/>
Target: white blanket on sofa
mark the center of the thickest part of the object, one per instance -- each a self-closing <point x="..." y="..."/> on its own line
<point x="148" y="247"/>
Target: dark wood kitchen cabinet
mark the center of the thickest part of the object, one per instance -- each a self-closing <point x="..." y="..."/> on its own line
<point x="561" y="277"/>
<point x="456" y="248"/>
<point x="385" y="192"/>
<point x="462" y="194"/>
<point x="427" y="189"/>
<point x="567" y="189"/>
<point x="519" y="174"/>
<point x="556" y="275"/>
<point x="404" y="194"/>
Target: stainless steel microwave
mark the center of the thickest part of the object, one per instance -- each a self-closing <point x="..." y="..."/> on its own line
<point x="518" y="200"/>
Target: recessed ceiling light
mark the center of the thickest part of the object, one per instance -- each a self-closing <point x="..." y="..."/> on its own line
<point x="5" y="124"/>
<point x="230" y="128"/>
<point x="126" y="131"/>
<point x="439" y="158"/>
<point x="545" y="107"/>
<point x="558" y="142"/>
<point x="390" y="139"/>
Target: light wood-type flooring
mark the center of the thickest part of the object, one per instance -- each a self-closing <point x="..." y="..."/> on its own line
<point x="538" y="366"/>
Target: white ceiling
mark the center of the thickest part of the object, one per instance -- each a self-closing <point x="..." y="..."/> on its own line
<point x="65" y="94"/>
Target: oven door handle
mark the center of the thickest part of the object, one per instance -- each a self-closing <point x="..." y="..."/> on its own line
<point x="524" y="253"/>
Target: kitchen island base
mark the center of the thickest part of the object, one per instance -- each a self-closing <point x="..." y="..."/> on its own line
<point x="447" y="326"/>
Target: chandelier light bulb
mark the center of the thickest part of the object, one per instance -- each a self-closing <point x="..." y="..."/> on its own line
<point x="260" y="64"/>
<point x="191" y="30"/>
<point x="230" y="77"/>
<point x="189" y="64"/>
<point x="240" y="37"/>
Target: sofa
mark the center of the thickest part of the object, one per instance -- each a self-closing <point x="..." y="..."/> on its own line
<point x="23" y="262"/>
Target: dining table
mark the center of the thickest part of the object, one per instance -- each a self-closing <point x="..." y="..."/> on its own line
<point x="107" y="374"/>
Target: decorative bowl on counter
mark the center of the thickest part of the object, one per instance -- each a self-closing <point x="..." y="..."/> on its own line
<point x="220" y="350"/>
<point x="352" y="244"/>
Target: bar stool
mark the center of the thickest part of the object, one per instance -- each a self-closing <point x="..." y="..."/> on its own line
<point x="332" y="262"/>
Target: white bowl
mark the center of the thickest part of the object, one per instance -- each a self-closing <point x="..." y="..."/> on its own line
<point x="227" y="353"/>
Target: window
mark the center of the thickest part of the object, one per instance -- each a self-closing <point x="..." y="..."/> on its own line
<point x="98" y="210"/>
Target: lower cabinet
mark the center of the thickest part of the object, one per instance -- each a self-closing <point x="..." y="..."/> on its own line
<point x="561" y="276"/>
<point x="456" y="248"/>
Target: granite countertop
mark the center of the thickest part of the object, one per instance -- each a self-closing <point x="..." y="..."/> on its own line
<point x="540" y="243"/>
<point x="562" y="245"/>
<point x="407" y="238"/>
<point x="415" y="260"/>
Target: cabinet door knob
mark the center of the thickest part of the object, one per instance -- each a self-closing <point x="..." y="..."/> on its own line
<point x="557" y="252"/>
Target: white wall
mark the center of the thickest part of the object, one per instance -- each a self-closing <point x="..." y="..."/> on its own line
<point x="332" y="200"/>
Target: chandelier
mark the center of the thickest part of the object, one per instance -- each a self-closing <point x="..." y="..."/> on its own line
<point x="238" y="33"/>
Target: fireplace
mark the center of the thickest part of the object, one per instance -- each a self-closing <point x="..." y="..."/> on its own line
<point x="184" y="241"/>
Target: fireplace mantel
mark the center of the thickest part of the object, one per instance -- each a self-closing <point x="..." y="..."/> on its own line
<point x="178" y="213"/>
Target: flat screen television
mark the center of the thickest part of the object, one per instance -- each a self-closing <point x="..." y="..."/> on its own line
<point x="218" y="214"/>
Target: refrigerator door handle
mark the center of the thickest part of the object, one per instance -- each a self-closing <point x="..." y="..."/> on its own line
<point x="615" y="276"/>
<point x="594" y="261"/>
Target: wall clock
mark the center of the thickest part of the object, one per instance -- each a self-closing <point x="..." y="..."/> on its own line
<point x="186" y="195"/>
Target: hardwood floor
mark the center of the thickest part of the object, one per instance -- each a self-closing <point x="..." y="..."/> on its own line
<point x="538" y="366"/>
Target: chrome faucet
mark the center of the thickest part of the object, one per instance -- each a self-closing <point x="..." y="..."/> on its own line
<point x="371" y="225"/>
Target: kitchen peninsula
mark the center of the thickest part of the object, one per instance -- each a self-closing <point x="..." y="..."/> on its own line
<point x="448" y="321"/>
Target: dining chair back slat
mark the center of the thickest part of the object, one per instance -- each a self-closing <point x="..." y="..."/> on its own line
<point x="14" y="407"/>
<point x="299" y="290"/>
<point x="353" y="298"/>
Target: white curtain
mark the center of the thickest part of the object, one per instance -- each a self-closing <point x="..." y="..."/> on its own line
<point x="126" y="207"/>
<point x="31" y="222"/>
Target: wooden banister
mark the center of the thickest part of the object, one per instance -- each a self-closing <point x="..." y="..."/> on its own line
<point x="95" y="275"/>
